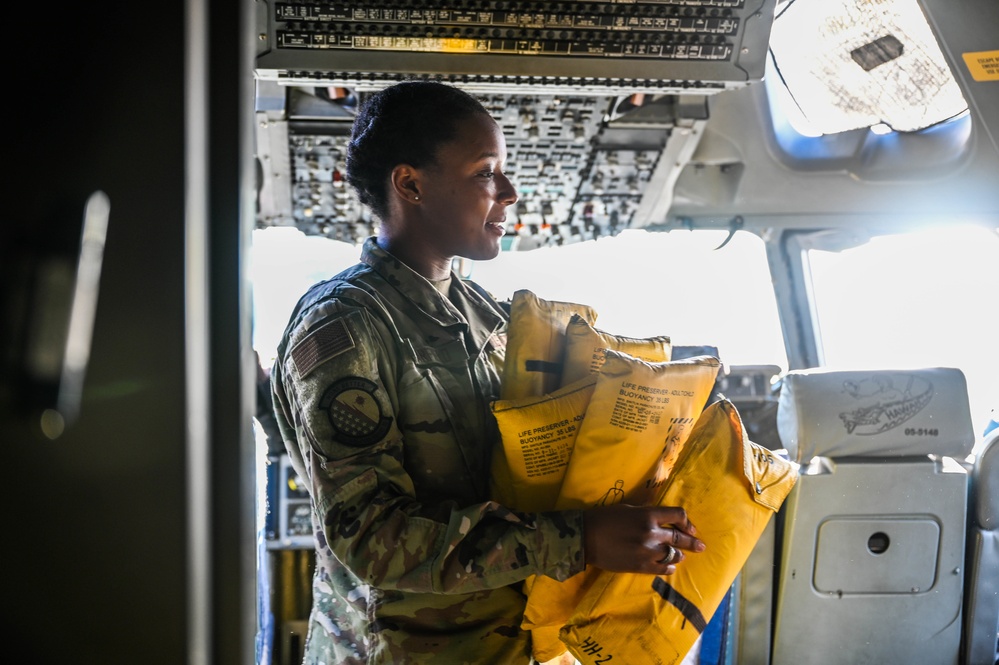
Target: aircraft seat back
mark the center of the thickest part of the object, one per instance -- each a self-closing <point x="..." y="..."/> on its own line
<point x="873" y="534"/>
<point x="752" y="601"/>
<point x="981" y="610"/>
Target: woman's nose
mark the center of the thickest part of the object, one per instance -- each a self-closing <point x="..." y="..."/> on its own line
<point x="507" y="194"/>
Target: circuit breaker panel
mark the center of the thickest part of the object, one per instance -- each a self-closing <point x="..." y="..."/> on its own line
<point x="605" y="48"/>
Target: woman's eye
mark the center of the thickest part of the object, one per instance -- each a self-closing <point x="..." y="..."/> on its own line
<point x="487" y="174"/>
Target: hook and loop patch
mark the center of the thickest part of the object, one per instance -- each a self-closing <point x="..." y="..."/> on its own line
<point x="354" y="413"/>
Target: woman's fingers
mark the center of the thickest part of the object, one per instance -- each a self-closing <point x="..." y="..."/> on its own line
<point x="674" y="527"/>
<point x="676" y="517"/>
<point x="681" y="540"/>
<point x="624" y="538"/>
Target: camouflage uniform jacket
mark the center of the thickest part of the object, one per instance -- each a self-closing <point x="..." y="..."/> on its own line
<point x="382" y="389"/>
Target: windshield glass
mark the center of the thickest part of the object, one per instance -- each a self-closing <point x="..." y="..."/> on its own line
<point x="925" y="299"/>
<point x="640" y="283"/>
<point x="645" y="283"/>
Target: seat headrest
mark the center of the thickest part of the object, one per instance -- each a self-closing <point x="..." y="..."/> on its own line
<point x="986" y="483"/>
<point x="875" y="413"/>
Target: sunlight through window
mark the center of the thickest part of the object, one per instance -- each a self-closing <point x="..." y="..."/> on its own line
<point x="922" y="299"/>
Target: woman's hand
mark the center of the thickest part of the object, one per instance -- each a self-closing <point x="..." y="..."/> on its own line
<point x="633" y="539"/>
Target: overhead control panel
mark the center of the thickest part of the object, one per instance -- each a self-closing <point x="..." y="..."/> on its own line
<point x="597" y="48"/>
<point x="584" y="166"/>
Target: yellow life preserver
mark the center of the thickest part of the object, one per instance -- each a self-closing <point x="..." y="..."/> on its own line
<point x="585" y="348"/>
<point x="639" y="417"/>
<point x="730" y="488"/>
<point x="536" y="343"/>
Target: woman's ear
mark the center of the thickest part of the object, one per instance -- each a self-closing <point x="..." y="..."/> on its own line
<point x="405" y="182"/>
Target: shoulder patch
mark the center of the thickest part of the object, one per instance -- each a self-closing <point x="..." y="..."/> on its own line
<point x="354" y="413"/>
<point x="328" y="340"/>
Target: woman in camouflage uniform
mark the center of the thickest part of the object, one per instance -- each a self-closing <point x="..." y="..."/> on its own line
<point x="382" y="388"/>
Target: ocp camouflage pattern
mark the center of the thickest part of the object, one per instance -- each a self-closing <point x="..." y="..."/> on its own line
<point x="382" y="388"/>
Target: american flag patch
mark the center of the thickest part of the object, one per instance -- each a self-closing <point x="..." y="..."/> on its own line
<point x="329" y="340"/>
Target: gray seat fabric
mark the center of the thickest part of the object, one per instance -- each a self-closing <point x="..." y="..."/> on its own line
<point x="873" y="537"/>
<point x="981" y="610"/>
<point x="752" y="602"/>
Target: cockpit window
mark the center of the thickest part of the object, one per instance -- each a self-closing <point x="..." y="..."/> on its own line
<point x="640" y="283"/>
<point x="922" y="299"/>
<point x="644" y="283"/>
<point x="284" y="263"/>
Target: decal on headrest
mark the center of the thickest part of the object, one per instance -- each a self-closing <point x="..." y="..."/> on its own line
<point x="884" y="402"/>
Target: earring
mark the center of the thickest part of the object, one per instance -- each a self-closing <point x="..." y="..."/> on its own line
<point x="416" y="198"/>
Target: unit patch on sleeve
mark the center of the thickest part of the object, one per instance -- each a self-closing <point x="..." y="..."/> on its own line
<point x="353" y="411"/>
<point x="328" y="340"/>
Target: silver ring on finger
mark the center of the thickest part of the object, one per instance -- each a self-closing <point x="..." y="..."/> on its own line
<point x="670" y="553"/>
